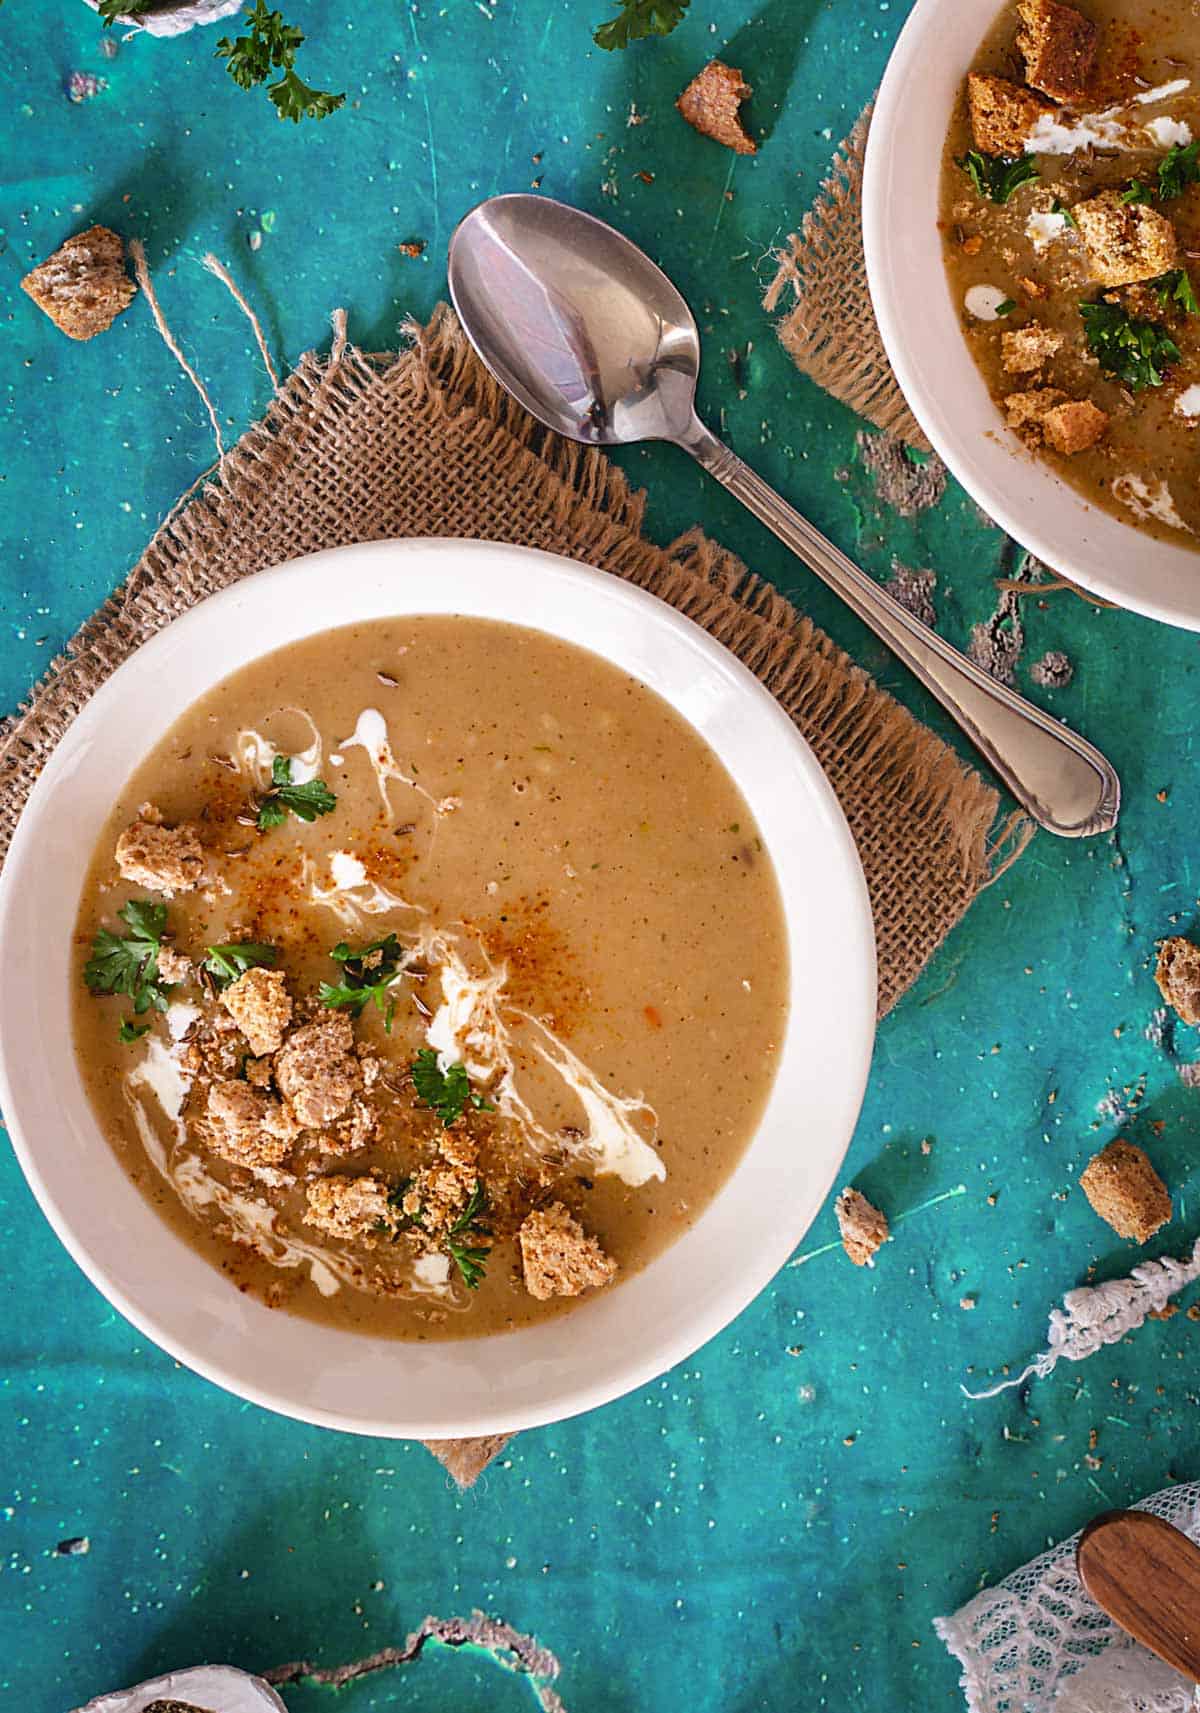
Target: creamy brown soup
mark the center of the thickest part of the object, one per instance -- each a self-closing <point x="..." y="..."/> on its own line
<point x="1100" y="378"/>
<point x="479" y="1036"/>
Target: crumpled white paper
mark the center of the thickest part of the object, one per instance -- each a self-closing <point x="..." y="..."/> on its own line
<point x="1037" y="1642"/>
<point x="174" y="20"/>
<point x="214" y="1688"/>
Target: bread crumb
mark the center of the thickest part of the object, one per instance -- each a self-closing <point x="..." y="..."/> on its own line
<point x="161" y="858"/>
<point x="83" y="286"/>
<point x="1028" y="348"/>
<point x="250" y="1128"/>
<point x="1002" y="114"/>
<point x="558" y="1258"/>
<point x="1125" y="241"/>
<point x="259" y="1003"/>
<point x="1026" y="411"/>
<point x="710" y="105"/>
<point x="349" y="1208"/>
<point x="1178" y="977"/>
<point x="317" y="1071"/>
<point x="864" y="1229"/>
<point x="1074" y="426"/>
<point x="1126" y="1191"/>
<point x="1058" y="45"/>
<point x="1166" y="1313"/>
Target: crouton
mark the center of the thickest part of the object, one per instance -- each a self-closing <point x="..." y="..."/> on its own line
<point x="249" y="1128"/>
<point x="1125" y="1190"/>
<point x="1027" y="348"/>
<point x="83" y="286"/>
<point x="710" y="105"/>
<point x="1178" y="977"/>
<point x="259" y="1004"/>
<point x="317" y="1071"/>
<point x="438" y="1194"/>
<point x="558" y="1258"/>
<point x="173" y="966"/>
<point x="161" y="858"/>
<point x="1125" y="241"/>
<point x="1025" y="411"/>
<point x="349" y="1208"/>
<point x="864" y="1229"/>
<point x="1002" y="114"/>
<point x="1074" y="426"/>
<point x="1058" y="45"/>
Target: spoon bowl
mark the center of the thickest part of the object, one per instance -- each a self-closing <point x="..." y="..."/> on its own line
<point x="578" y="323"/>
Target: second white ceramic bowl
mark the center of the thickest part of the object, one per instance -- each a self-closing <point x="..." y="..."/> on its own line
<point x="920" y="325"/>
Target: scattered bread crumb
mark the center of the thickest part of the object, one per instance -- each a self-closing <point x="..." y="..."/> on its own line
<point x="348" y="1207"/>
<point x="259" y="1004"/>
<point x="1166" y="1313"/>
<point x="558" y="1258"/>
<point x="1126" y="1191"/>
<point x="864" y="1229"/>
<point x="1178" y="977"/>
<point x="1074" y="426"/>
<point x="1027" y="348"/>
<point x="161" y="858"/>
<point x="711" y="103"/>
<point x="83" y="286"/>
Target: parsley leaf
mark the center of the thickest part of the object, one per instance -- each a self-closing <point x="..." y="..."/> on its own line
<point x="639" y="18"/>
<point x="1059" y="207"/>
<point x="272" y="46"/>
<point x="128" y="963"/>
<point x="1179" y="168"/>
<point x="1129" y="348"/>
<point x="1137" y="192"/>
<point x="368" y="973"/>
<point x="997" y="176"/>
<point x="130" y="1031"/>
<point x="470" y="1258"/>
<point x="226" y="963"/>
<point x="1176" y="288"/>
<point x="306" y="801"/>
<point x="447" y="1092"/>
<point x="1007" y="307"/>
<point x="111" y="10"/>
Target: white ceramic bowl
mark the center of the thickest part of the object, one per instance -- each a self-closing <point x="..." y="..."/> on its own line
<point x="920" y="324"/>
<point x="622" y="1337"/>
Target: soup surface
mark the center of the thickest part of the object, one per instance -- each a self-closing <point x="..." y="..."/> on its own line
<point x="1071" y="228"/>
<point x="432" y="974"/>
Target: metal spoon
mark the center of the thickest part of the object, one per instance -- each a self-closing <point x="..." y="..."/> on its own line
<point x="594" y="340"/>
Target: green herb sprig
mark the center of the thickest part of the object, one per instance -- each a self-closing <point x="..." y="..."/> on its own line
<point x="226" y="963"/>
<point x="128" y="963"/>
<point x="1176" y="288"/>
<point x="368" y="973"/>
<point x="637" y="19"/>
<point x="111" y="10"/>
<point x="996" y="177"/>
<point x="305" y="801"/>
<point x="1130" y="348"/>
<point x="448" y="1092"/>
<point x="271" y="46"/>
<point x="1178" y="170"/>
<point x="470" y="1257"/>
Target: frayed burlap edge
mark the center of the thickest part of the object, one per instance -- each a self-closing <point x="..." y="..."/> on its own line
<point x="830" y="331"/>
<point x="893" y="776"/>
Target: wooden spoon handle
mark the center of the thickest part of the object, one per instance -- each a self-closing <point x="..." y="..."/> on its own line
<point x="1146" y="1575"/>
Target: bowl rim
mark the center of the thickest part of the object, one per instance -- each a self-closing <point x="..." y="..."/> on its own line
<point x="857" y="978"/>
<point x="1093" y="548"/>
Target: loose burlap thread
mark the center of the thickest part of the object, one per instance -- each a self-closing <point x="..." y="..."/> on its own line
<point x="829" y="330"/>
<point x="359" y="447"/>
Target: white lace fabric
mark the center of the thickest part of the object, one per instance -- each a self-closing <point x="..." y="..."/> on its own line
<point x="1036" y="1641"/>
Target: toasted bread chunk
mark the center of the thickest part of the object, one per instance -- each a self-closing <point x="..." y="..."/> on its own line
<point x="710" y="105"/>
<point x="1125" y="241"/>
<point x="1125" y="1190"/>
<point x="1178" y="977"/>
<point x="1027" y="348"/>
<point x="1026" y="411"/>
<point x="173" y="966"/>
<point x="259" y="1003"/>
<point x="1002" y="114"/>
<point x="317" y="1071"/>
<point x="559" y="1259"/>
<point x="1058" y="45"/>
<point x="161" y="858"/>
<point x="83" y="286"/>
<point x="350" y="1208"/>
<point x="864" y="1229"/>
<point x="249" y="1128"/>
<point x="1074" y="426"/>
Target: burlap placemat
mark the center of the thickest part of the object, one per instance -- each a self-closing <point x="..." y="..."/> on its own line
<point x="829" y="330"/>
<point x="358" y="447"/>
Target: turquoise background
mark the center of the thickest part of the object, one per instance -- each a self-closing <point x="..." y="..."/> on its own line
<point x="775" y="1524"/>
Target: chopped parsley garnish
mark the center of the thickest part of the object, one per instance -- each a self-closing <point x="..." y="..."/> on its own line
<point x="470" y="1258"/>
<point x="111" y="10"/>
<point x="305" y="801"/>
<point x="1007" y="307"/>
<point x="226" y="963"/>
<point x="1058" y="207"/>
<point x="1176" y="288"/>
<point x="367" y="974"/>
<point x="639" y="18"/>
<point x="448" y="1092"/>
<point x="1178" y="169"/>
<point x="131" y="1031"/>
<point x="1130" y="348"/>
<point x="271" y="46"/>
<point x="128" y="963"/>
<point x="1137" y="192"/>
<point x="997" y="176"/>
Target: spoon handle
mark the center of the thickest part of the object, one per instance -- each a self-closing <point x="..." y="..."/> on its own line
<point x="1064" y="783"/>
<point x="1145" y="1574"/>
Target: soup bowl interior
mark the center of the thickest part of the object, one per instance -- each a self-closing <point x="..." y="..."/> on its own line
<point x="921" y="328"/>
<point x="608" y="1344"/>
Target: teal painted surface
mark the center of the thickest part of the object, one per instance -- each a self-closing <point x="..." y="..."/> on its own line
<point x="712" y="1541"/>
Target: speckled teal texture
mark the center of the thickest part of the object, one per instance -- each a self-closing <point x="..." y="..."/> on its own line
<point x="774" y="1524"/>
